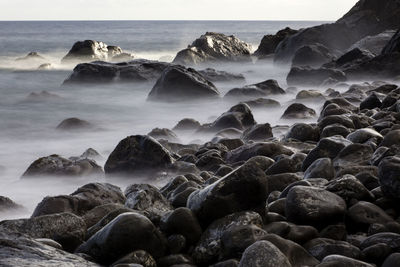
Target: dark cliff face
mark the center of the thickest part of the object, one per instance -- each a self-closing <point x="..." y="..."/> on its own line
<point x="367" y="17"/>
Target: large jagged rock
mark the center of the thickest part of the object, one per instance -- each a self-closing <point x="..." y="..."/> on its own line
<point x="137" y="153"/>
<point x="313" y="55"/>
<point x="140" y="70"/>
<point x="214" y="47"/>
<point x="243" y="189"/>
<point x="271" y="41"/>
<point x="55" y="165"/>
<point x="90" y="50"/>
<point x="375" y="43"/>
<point x="179" y="83"/>
<point x="82" y="200"/>
<point x="17" y="249"/>
<point x="367" y="17"/>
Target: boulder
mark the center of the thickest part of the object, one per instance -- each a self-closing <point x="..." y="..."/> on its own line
<point x="263" y="254"/>
<point x="136" y="258"/>
<point x="214" y="75"/>
<point x="303" y="132"/>
<point x="6" y="204"/>
<point x="17" y="249"/>
<point x="298" y="111"/>
<point x="322" y="247"/>
<point x="90" y="50"/>
<point x="307" y="76"/>
<point x="82" y="200"/>
<point x="270" y="42"/>
<point x="55" y="165"/>
<point x="314" y="55"/>
<point x="139" y="70"/>
<point x="362" y="214"/>
<point x="263" y="103"/>
<point x="214" y="47"/>
<point x="164" y="133"/>
<point x="243" y="189"/>
<point x="374" y="43"/>
<point x="137" y="153"/>
<point x="314" y="206"/>
<point x="392" y="260"/>
<point x="126" y="233"/>
<point x="371" y="102"/>
<point x="343" y="261"/>
<point x="267" y="149"/>
<point x="179" y="83"/>
<point x="320" y="168"/>
<point x="65" y="228"/>
<point x="389" y="169"/>
<point x="186" y="124"/>
<point x="73" y="124"/>
<point x="257" y="132"/>
<point x="265" y="88"/>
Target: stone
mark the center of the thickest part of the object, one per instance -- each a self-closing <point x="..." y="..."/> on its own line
<point x="258" y="132"/>
<point x="322" y="247"/>
<point x="307" y="76"/>
<point x="263" y="253"/>
<point x="137" y="153"/>
<point x="220" y="76"/>
<point x="392" y="260"/>
<point x="313" y="55"/>
<point x="298" y="111"/>
<point x="88" y="50"/>
<point x="362" y="214"/>
<point x="265" y="88"/>
<point x="178" y="83"/>
<point x="320" y="168"/>
<point x="371" y="102"/>
<point x="342" y="261"/>
<point x="389" y="169"/>
<point x="267" y="149"/>
<point x="303" y="132"/>
<point x="138" y="257"/>
<point x="270" y="42"/>
<point x="73" y="124"/>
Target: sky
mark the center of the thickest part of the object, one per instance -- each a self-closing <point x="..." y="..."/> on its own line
<point x="327" y="10"/>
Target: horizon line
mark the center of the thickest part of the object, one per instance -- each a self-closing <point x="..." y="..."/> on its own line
<point x="79" y="20"/>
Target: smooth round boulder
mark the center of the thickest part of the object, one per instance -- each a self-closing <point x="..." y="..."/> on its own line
<point x="263" y="254"/>
<point x="392" y="261"/>
<point x="303" y="132"/>
<point x="298" y="111"/>
<point x="314" y="206"/>
<point x="391" y="138"/>
<point x="126" y="233"/>
<point x="321" y="168"/>
<point x="389" y="178"/>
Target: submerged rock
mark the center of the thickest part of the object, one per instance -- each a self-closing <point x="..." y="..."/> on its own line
<point x="32" y="57"/>
<point x="137" y="153"/>
<point x="73" y="124"/>
<point x="214" y="75"/>
<point x="265" y="88"/>
<point x="214" y="47"/>
<point x="90" y="50"/>
<point x="178" y="83"/>
<point x="140" y="70"/>
<point x="55" y="165"/>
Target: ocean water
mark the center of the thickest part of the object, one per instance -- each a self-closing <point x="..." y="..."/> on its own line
<point x="28" y="128"/>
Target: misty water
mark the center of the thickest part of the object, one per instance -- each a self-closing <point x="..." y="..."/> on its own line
<point x="28" y="128"/>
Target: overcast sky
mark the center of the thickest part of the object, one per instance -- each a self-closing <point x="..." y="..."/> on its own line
<point x="174" y="9"/>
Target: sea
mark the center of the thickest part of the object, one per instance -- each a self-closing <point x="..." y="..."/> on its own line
<point x="28" y="126"/>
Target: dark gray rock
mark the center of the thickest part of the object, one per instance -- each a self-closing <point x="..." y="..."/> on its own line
<point x="263" y="253"/>
<point x="307" y="76"/>
<point x="374" y="43"/>
<point x="263" y="103"/>
<point x="265" y="88"/>
<point x="267" y="149"/>
<point x="270" y="42"/>
<point x="138" y="257"/>
<point x="220" y="76"/>
<point x="97" y="213"/>
<point x="314" y="206"/>
<point x="164" y="133"/>
<point x="243" y="189"/>
<point x="391" y="138"/>
<point x="258" y="132"/>
<point x="313" y="55"/>
<point x="389" y="178"/>
<point x="74" y="124"/>
<point x="303" y="132"/>
<point x="322" y="247"/>
<point x="342" y="261"/>
<point x="178" y="83"/>
<point x="363" y="135"/>
<point x="137" y="153"/>
<point x="320" y="168"/>
<point x="392" y="261"/>
<point x="126" y="233"/>
<point x="6" y="204"/>
<point x="298" y="111"/>
<point x="349" y="188"/>
<point x="371" y="102"/>
<point x="88" y="50"/>
<point x="186" y="125"/>
<point x="214" y="47"/>
<point x="362" y="214"/>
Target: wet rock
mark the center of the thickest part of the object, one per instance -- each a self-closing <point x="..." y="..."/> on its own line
<point x="353" y="155"/>
<point x="314" y="206"/>
<point x="137" y="153"/>
<point x="320" y="168"/>
<point x="138" y="257"/>
<point x="336" y="119"/>
<point x="73" y="124"/>
<point x="389" y="170"/>
<point x="298" y="111"/>
<point x="6" y="204"/>
<point x="349" y="188"/>
<point x="139" y="70"/>
<point x="186" y="125"/>
<point x="128" y="232"/>
<point x="239" y="117"/>
<point x="147" y="198"/>
<point x="263" y="253"/>
<point x="209" y="246"/>
<point x="322" y="247"/>
<point x="392" y="260"/>
<point x="163" y="133"/>
<point x="182" y="221"/>
<point x="265" y="88"/>
<point x="267" y="149"/>
<point x="303" y="132"/>
<point x="309" y="95"/>
<point x="90" y="50"/>
<point x="263" y="103"/>
<point x="243" y="189"/>
<point x="227" y="263"/>
<point x="33" y="57"/>
<point x="342" y="261"/>
<point x="312" y="55"/>
<point x="362" y="214"/>
<point x="20" y="250"/>
<point x="326" y="148"/>
<point x="220" y="76"/>
<point x="391" y="239"/>
<point x="287" y="164"/>
<point x="391" y="138"/>
<point x="375" y="43"/>
<point x="313" y="77"/>
<point x="55" y="165"/>
<point x="82" y="200"/>
<point x="65" y="228"/>
<point x="278" y="182"/>
<point x="257" y="132"/>
<point x="363" y="135"/>
<point x="179" y="83"/>
<point x="270" y="42"/>
<point x="97" y="213"/>
<point x="335" y="129"/>
<point x="214" y="47"/>
<point x="371" y="102"/>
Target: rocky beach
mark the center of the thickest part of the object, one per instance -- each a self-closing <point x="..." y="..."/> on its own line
<point x="230" y="166"/>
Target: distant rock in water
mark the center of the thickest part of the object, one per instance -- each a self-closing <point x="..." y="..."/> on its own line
<point x="33" y="57"/>
<point x="7" y="204"/>
<point x="367" y="17"/>
<point x="73" y="124"/>
<point x="179" y="83"/>
<point x="91" y="50"/>
<point x="55" y="165"/>
<point x="214" y="47"/>
<point x="140" y="70"/>
<point x="45" y="66"/>
<point x="41" y="97"/>
<point x="220" y="76"/>
<point x="270" y="42"/>
<point x="137" y="153"/>
<point x="265" y="88"/>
